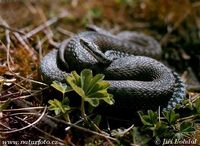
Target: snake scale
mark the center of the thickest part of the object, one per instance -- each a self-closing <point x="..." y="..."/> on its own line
<point x="136" y="81"/>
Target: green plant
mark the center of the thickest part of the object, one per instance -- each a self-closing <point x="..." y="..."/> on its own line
<point x="62" y="87"/>
<point x="171" y="116"/>
<point x="93" y="90"/>
<point x="153" y="124"/>
<point x="61" y="107"/>
<point x="168" y="126"/>
<point x="186" y="128"/>
<point x="90" y="89"/>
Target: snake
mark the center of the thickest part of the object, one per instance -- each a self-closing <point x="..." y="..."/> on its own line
<point x="129" y="61"/>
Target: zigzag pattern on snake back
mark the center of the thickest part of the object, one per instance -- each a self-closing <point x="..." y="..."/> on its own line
<point x="137" y="82"/>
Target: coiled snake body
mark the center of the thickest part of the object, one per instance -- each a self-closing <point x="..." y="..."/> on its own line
<point x="137" y="82"/>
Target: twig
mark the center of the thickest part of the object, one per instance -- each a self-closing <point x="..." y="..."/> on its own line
<point x="43" y="132"/>
<point x="30" y="125"/>
<point x="8" y="47"/>
<point x="11" y="29"/>
<point x="44" y="25"/>
<point x="23" y="109"/>
<point x="5" y="126"/>
<point x="25" y="104"/>
<point x="20" y="39"/>
<point x="50" y="39"/>
<point x="2" y="46"/>
<point x="7" y="31"/>
<point x="27" y="79"/>
<point x="193" y="88"/>
<point x="100" y="131"/>
<point x="26" y="96"/>
<point x="187" y="118"/>
<point x="8" y="52"/>
<point x="39" y="46"/>
<point x="21" y="86"/>
<point x="15" y="94"/>
<point x="23" y="41"/>
<point x="67" y="123"/>
<point x="47" y="30"/>
<point x="65" y="32"/>
<point x="17" y="98"/>
<point x="30" y="80"/>
<point x="83" y="129"/>
<point x="194" y="98"/>
<point x="191" y="100"/>
<point x="77" y="122"/>
<point x="13" y="73"/>
<point x="10" y="95"/>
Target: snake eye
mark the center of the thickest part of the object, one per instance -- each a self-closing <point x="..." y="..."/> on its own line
<point x="84" y="43"/>
<point x="89" y="46"/>
<point x="95" y="51"/>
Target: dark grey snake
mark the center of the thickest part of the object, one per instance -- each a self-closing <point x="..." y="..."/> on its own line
<point x="137" y="82"/>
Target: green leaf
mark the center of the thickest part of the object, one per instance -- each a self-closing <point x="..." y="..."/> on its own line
<point x="93" y="101"/>
<point x="74" y="82"/>
<point x="144" y="118"/>
<point x="150" y="119"/>
<point x="59" y="107"/>
<point x="171" y="116"/>
<point x="93" y="82"/>
<point x="153" y="116"/>
<point x="62" y="87"/>
<point x="86" y="76"/>
<point x="55" y="106"/>
<point x="109" y="99"/>
<point x="197" y="106"/>
<point x="91" y="89"/>
<point x="187" y="127"/>
<point x="76" y="78"/>
<point x="159" y="129"/>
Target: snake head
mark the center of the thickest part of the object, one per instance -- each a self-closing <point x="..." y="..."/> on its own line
<point x="95" y="51"/>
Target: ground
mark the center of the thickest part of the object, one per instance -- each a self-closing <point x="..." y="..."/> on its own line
<point x="29" y="29"/>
